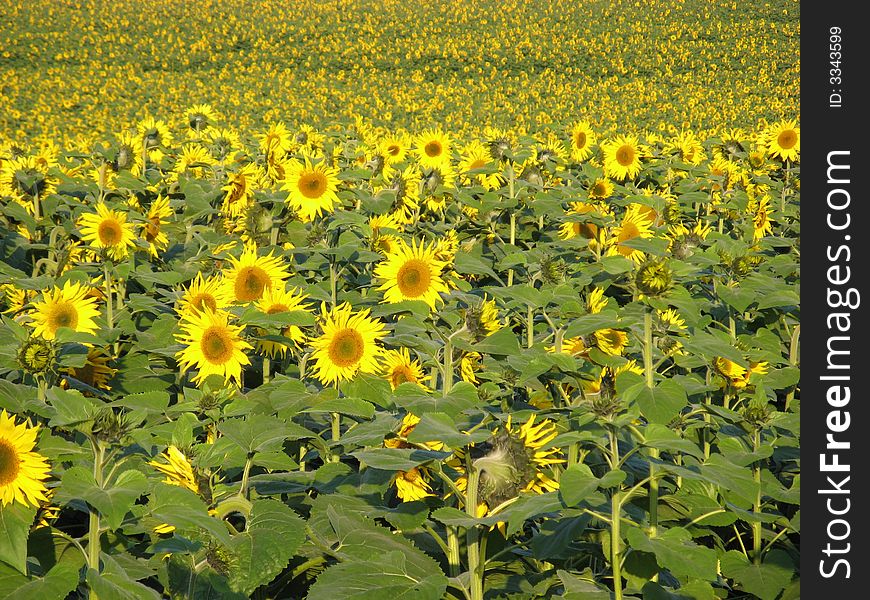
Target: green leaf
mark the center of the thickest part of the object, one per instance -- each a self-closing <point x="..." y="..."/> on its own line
<point x="390" y="576"/>
<point x="113" y="500"/>
<point x="262" y="433"/>
<point x="57" y="583"/>
<point x="501" y="343"/>
<point x="588" y="323"/>
<point x="766" y="580"/>
<point x="355" y="407"/>
<point x="71" y="407"/>
<point x="577" y="588"/>
<point x="397" y="459"/>
<point x="441" y="427"/>
<point x="184" y="510"/>
<point x="664" y="438"/>
<point x="672" y="547"/>
<point x="15" y="521"/>
<point x="118" y="586"/>
<point x="262" y="551"/>
<point x="576" y="484"/>
<point x="663" y="402"/>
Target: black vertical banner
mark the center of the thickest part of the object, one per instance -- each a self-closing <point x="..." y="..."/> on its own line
<point x="835" y="265"/>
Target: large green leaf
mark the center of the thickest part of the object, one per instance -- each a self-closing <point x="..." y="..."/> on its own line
<point x="389" y="576"/>
<point x="661" y="403"/>
<point x="765" y="580"/>
<point x="576" y="484"/>
<point x="15" y="521"/>
<point x="118" y="586"/>
<point x="272" y="536"/>
<point x="184" y="510"/>
<point x="57" y="583"/>
<point x="672" y="547"/>
<point x="113" y="499"/>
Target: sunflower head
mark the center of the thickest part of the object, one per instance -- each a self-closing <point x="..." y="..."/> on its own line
<point x="109" y="426"/>
<point x="22" y="471"/>
<point x="654" y="278"/>
<point x="37" y="356"/>
<point x="481" y="318"/>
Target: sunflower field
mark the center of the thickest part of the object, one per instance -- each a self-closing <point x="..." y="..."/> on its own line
<point x="517" y="355"/>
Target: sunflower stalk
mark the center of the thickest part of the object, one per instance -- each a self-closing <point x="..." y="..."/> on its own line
<point x="472" y="539"/>
<point x="94" y="516"/>
<point x="615" y="523"/>
<point x="756" y="507"/>
<point x="653" y="452"/>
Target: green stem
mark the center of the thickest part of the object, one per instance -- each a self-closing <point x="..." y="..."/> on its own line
<point x="453" y="550"/>
<point x="107" y="280"/>
<point x="793" y="361"/>
<point x="246" y="473"/>
<point x="756" y="508"/>
<point x="335" y="426"/>
<point x="472" y="544"/>
<point x="615" y="533"/>
<point x="94" y="515"/>
<point x="266" y="368"/>
<point x="530" y="327"/>
<point x="332" y="283"/>
<point x="653" y="452"/>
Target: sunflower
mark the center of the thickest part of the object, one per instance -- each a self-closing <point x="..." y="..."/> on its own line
<point x="433" y="147"/>
<point x="596" y="301"/>
<point x="152" y="231"/>
<point x="194" y="159"/>
<point x="671" y="319"/>
<point x="582" y="140"/>
<point x="221" y="142"/>
<point x="308" y="140"/>
<point x="412" y="273"/>
<point x="735" y="375"/>
<point x="129" y="155"/>
<point x="482" y="318"/>
<point x="574" y="346"/>
<point x="275" y="301"/>
<point x="348" y="344"/>
<point x="107" y="230"/>
<point x="398" y="368"/>
<point x="154" y="133"/>
<point x="635" y="224"/>
<point x="200" y="117"/>
<point x="687" y="147"/>
<point x="64" y="307"/>
<point x="96" y="371"/>
<point x="469" y="365"/>
<point x="610" y="341"/>
<point x="24" y="179"/>
<point x="177" y="468"/>
<point x="394" y="148"/>
<point x="250" y="275"/>
<point x="22" y="470"/>
<point x="412" y="485"/>
<point x="240" y="190"/>
<point x="312" y="188"/>
<point x="600" y="189"/>
<point x="761" y="223"/>
<point x="212" y="345"/>
<point x="785" y="141"/>
<point x="585" y="229"/>
<point x="406" y="184"/>
<point x="622" y="157"/>
<point x="518" y="462"/>
<point x="276" y="140"/>
<point x="203" y="294"/>
<point x="476" y="156"/>
<point x="386" y="243"/>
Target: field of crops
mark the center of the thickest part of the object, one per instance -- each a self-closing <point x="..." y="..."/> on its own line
<point x="352" y="300"/>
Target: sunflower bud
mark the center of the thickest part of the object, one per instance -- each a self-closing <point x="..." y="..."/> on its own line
<point x="109" y="426"/>
<point x="505" y="470"/>
<point x="654" y="278"/>
<point x="553" y="270"/>
<point x="37" y="356"/>
<point x="499" y="149"/>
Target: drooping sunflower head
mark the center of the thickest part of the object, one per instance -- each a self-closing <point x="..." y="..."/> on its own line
<point x="154" y="133"/>
<point x="250" y="275"/>
<point x="201" y="116"/>
<point x="37" y="356"/>
<point x="610" y="341"/>
<point x="22" y="470"/>
<point x="399" y="368"/>
<point x="349" y="344"/>
<point x="313" y="188"/>
<point x="96" y="371"/>
<point x="654" y="278"/>
<point x="596" y="301"/>
<point x="518" y="462"/>
<point x="413" y="485"/>
<point x="177" y="467"/>
<point x="412" y="273"/>
<point x="68" y="307"/>
<point x="108" y="230"/>
<point x="213" y="345"/>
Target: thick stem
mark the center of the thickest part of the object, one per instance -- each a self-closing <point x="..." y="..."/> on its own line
<point x="530" y="327"/>
<point x="107" y="281"/>
<point x="472" y="544"/>
<point x="453" y="550"/>
<point x="615" y="533"/>
<point x="653" y="452"/>
<point x="94" y="516"/>
<point x="332" y="283"/>
<point x="756" y="508"/>
<point x="246" y="473"/>
<point x="266" y="368"/>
